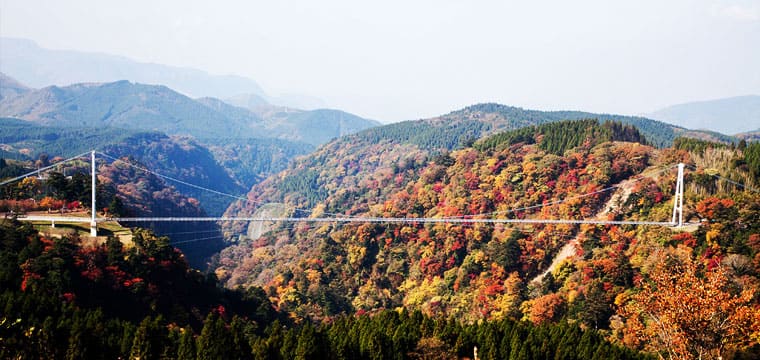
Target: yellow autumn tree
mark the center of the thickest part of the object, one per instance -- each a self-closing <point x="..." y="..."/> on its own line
<point x="684" y="311"/>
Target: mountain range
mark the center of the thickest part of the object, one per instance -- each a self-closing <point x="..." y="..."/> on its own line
<point x="39" y="67"/>
<point x="124" y="104"/>
<point x="473" y="122"/>
<point x="728" y="115"/>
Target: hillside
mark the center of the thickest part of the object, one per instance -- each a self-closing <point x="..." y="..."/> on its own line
<point x="728" y="116"/>
<point x="62" y="299"/>
<point x="250" y="161"/>
<point x="390" y="180"/>
<point x="127" y="105"/>
<point x="178" y="157"/>
<point x="10" y="88"/>
<point x="460" y="127"/>
<point x="122" y="105"/>
<point x="121" y="191"/>
<point x="315" y="127"/>
<point x="483" y="271"/>
<point x="750" y="135"/>
<point x="126" y="191"/>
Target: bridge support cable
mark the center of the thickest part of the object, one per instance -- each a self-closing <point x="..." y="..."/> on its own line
<point x="560" y="201"/>
<point x="35" y="172"/>
<point x="745" y="187"/>
<point x="197" y="187"/>
<point x="174" y="179"/>
<point x="389" y="220"/>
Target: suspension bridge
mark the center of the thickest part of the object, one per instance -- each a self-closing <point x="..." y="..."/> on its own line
<point x="93" y="219"/>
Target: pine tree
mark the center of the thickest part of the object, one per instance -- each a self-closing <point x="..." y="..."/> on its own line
<point x="186" y="350"/>
<point x="214" y="341"/>
<point x="240" y="331"/>
<point x="308" y="344"/>
<point x="143" y="345"/>
<point x="76" y="349"/>
<point x="289" y="344"/>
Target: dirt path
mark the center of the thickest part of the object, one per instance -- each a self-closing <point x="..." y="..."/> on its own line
<point x="568" y="250"/>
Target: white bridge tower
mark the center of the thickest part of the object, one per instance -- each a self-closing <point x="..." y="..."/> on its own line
<point x="678" y="199"/>
<point x="93" y="224"/>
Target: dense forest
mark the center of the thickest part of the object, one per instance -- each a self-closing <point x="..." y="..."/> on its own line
<point x="64" y="300"/>
<point x="556" y="138"/>
<point x="491" y="272"/>
<point x="26" y="141"/>
<point x="250" y="161"/>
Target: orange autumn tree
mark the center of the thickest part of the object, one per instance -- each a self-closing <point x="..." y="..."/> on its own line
<point x="688" y="312"/>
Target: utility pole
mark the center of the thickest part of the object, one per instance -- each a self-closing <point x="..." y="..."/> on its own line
<point x="93" y="224"/>
<point x="678" y="198"/>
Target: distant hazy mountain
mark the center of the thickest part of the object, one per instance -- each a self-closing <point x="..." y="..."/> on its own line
<point x="313" y="126"/>
<point x="9" y="87"/>
<point x="252" y="102"/>
<point x="750" y="135"/>
<point x="256" y="101"/>
<point x="728" y="116"/>
<point x="298" y="101"/>
<point x="39" y="67"/>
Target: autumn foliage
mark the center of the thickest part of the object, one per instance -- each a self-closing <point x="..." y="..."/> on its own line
<point x="686" y="311"/>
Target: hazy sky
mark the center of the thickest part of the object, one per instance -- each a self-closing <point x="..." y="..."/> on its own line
<point x="396" y="60"/>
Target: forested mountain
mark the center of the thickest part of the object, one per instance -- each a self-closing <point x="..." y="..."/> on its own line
<point x="252" y="160"/>
<point x="122" y="105"/>
<point x="127" y="105"/>
<point x="728" y="115"/>
<point x="87" y="116"/>
<point x="127" y="119"/>
<point x="458" y="128"/>
<point x="617" y="278"/>
<point x="178" y="157"/>
<point x="315" y="127"/>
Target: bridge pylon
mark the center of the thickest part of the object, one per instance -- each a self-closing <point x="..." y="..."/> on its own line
<point x="93" y="224"/>
<point x="678" y="199"/>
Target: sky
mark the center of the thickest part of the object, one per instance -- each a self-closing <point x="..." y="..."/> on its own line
<point x="400" y="60"/>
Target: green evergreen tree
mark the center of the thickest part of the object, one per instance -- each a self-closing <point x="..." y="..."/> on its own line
<point x="76" y="349"/>
<point x="143" y="345"/>
<point x="214" y="341"/>
<point x="186" y="349"/>
<point x="240" y="331"/>
<point x="308" y="343"/>
<point x="289" y="344"/>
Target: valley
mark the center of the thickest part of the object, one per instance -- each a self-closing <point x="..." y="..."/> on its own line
<point x="521" y="283"/>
